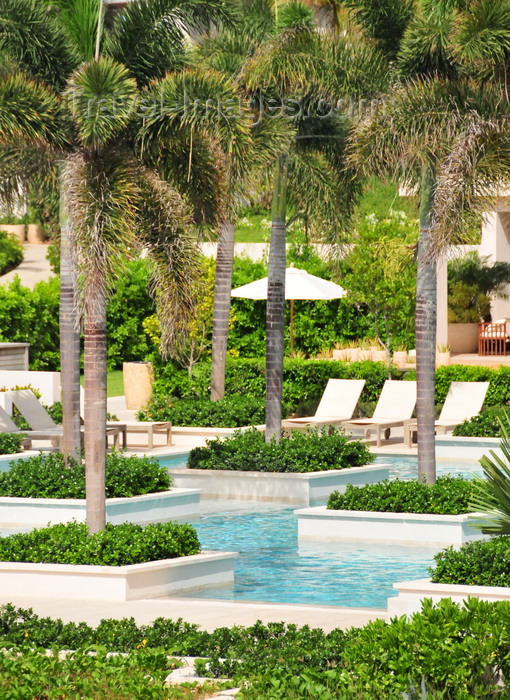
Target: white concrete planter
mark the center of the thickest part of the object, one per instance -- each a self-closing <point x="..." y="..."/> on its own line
<point x="295" y="489"/>
<point x="118" y="583"/>
<point x="398" y="528"/>
<point x="411" y="593"/>
<point x="150" y="508"/>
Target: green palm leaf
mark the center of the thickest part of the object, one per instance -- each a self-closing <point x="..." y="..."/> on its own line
<point x="150" y="36"/>
<point x="102" y="98"/>
<point x="491" y="495"/>
<point x="32" y="36"/>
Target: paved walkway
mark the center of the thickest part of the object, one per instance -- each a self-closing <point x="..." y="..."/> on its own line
<point x="34" y="268"/>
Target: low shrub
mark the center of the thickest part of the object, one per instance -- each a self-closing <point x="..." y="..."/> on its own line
<point x="479" y="563"/>
<point x="116" y="545"/>
<point x="449" y="496"/>
<point x="484" y="424"/>
<point x="46" y="476"/>
<point x="10" y="443"/>
<point x="35" y="673"/>
<point x="11" y="252"/>
<point x="232" y="412"/>
<point x="447" y="650"/>
<point x="301" y="452"/>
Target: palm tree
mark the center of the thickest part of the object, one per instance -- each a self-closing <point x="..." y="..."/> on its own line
<point x="82" y="113"/>
<point x="421" y="136"/>
<point x="301" y="67"/>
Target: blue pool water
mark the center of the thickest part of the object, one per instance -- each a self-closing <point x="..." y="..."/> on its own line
<point x="272" y="566"/>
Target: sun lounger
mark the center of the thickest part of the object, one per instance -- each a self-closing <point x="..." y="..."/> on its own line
<point x="464" y="400"/>
<point x="337" y="404"/>
<point x="395" y="405"/>
<point x="7" y="425"/>
<point x="39" y="419"/>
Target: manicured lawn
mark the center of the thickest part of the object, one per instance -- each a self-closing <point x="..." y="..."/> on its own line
<point x="114" y="383"/>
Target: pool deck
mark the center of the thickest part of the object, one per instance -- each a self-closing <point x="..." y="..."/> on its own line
<point x="209" y="614"/>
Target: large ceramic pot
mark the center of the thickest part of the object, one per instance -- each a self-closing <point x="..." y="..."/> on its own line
<point x="463" y="337"/>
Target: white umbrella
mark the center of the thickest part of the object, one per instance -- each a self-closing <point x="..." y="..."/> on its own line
<point x="299" y="284"/>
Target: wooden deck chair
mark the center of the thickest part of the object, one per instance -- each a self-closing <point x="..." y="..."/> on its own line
<point x="463" y="400"/>
<point x="395" y="405"/>
<point x="337" y="404"/>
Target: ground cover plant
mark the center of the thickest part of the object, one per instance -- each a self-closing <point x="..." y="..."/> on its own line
<point x="116" y="545"/>
<point x="10" y="443"/>
<point x="48" y="476"/>
<point x="300" y="452"/>
<point x="481" y="563"/>
<point x="448" y="496"/>
<point x="452" y="651"/>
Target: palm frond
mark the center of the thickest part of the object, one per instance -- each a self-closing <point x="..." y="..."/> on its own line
<point x="167" y="235"/>
<point x="102" y="99"/>
<point x="31" y="35"/>
<point x="102" y="197"/>
<point x="80" y="20"/>
<point x="150" y="36"/>
<point x="385" y="20"/>
<point x="491" y="494"/>
<point x="471" y="178"/>
<point x="29" y="112"/>
<point x="425" y="47"/>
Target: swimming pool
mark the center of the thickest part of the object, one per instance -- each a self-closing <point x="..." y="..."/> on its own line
<point x="272" y="567"/>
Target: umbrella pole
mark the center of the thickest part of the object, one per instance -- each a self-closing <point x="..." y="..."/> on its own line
<point x="292" y="327"/>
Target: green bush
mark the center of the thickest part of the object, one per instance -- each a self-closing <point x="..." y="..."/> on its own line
<point x="303" y="384"/>
<point x="449" y="496"/>
<point x="232" y="412"/>
<point x="456" y="652"/>
<point x="10" y="443"/>
<point x="116" y="545"/>
<point x="46" y="476"/>
<point x="498" y="392"/>
<point x="484" y="424"/>
<point x="11" y="252"/>
<point x="35" y="673"/>
<point x="31" y="316"/>
<point x="479" y="563"/>
<point x="301" y="452"/>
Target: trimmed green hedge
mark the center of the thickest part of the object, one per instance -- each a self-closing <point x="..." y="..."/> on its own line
<point x="301" y="452"/>
<point x="11" y="443"/>
<point x="46" y="476"/>
<point x="479" y="563"/>
<point x="232" y="412"/>
<point x="116" y="545"/>
<point x="484" y="424"/>
<point x="449" y="496"/>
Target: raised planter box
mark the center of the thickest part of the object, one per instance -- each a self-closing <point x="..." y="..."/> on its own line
<point x="149" y="508"/>
<point x="295" y="489"/>
<point x="118" y="583"/>
<point x="411" y="593"/>
<point x="399" y="528"/>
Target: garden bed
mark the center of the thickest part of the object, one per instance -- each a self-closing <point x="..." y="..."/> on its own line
<point x="118" y="583"/>
<point x="412" y="593"/>
<point x="292" y="488"/>
<point x="149" y="508"/>
<point x="419" y="529"/>
<point x="120" y="562"/>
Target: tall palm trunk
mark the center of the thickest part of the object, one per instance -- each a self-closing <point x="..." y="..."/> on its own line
<point x="69" y="336"/>
<point x="426" y="312"/>
<point x="95" y="407"/>
<point x="275" y="318"/>
<point x="222" y="298"/>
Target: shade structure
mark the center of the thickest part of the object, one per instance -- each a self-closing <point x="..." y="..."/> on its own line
<point x="299" y="284"/>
